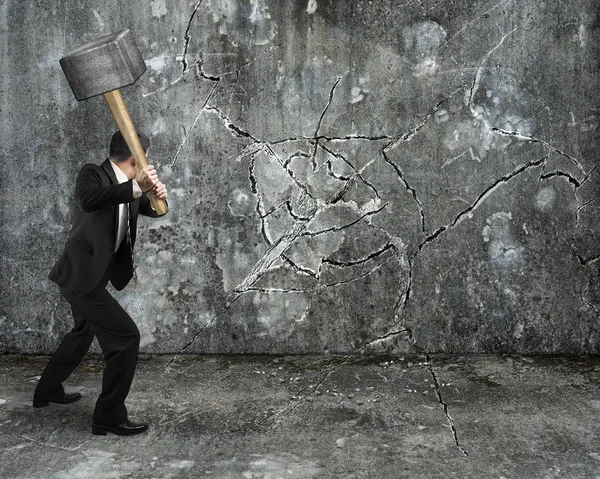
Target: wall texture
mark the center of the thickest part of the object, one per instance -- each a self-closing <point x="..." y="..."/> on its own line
<point x="382" y="176"/>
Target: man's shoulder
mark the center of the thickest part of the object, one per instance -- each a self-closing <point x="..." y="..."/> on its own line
<point x="94" y="168"/>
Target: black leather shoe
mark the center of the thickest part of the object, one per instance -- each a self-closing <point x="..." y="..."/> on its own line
<point x="63" y="398"/>
<point x="126" y="428"/>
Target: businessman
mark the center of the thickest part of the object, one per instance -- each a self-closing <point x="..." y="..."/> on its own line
<point x="99" y="249"/>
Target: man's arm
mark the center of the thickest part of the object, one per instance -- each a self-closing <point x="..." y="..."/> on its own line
<point x="90" y="195"/>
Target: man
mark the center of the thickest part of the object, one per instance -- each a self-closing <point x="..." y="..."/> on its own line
<point x="100" y="248"/>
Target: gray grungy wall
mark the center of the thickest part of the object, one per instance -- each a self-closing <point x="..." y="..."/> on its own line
<point x="381" y="176"/>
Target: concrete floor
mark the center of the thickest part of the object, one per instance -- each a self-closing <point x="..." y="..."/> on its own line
<point x="315" y="417"/>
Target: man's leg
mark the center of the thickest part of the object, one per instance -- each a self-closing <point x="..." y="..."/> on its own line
<point x="119" y="340"/>
<point x="69" y="354"/>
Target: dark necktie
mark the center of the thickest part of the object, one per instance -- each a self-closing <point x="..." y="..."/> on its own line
<point x="127" y="230"/>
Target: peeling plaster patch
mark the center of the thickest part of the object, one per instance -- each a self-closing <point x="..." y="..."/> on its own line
<point x="582" y="36"/>
<point x="253" y="27"/>
<point x="276" y="313"/>
<point x="312" y="6"/>
<point x="595" y="403"/>
<point x="519" y="329"/>
<point x="241" y="204"/>
<point x="545" y="199"/>
<point x="356" y="95"/>
<point x="426" y="67"/>
<point x="273" y="466"/>
<point x="308" y="254"/>
<point x="183" y="464"/>
<point x="158" y="127"/>
<point x="496" y="104"/>
<point x="233" y="260"/>
<point x="159" y="63"/>
<point x="442" y="116"/>
<point x="159" y="8"/>
<point x="422" y="42"/>
<point x="100" y="464"/>
<point x="99" y="19"/>
<point x="504" y="251"/>
<point x="164" y="259"/>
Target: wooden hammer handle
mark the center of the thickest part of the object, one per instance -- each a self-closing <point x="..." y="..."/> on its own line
<point x="125" y="124"/>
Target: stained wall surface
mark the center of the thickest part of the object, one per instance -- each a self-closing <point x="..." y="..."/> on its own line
<point x="381" y="176"/>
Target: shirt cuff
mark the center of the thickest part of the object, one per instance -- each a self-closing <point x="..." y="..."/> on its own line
<point x="137" y="192"/>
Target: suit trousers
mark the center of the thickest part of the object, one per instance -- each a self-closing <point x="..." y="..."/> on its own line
<point x="97" y="313"/>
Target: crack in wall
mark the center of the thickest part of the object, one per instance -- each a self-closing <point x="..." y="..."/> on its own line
<point x="487" y="192"/>
<point x="409" y="135"/>
<point x="354" y="169"/>
<point x="189" y="132"/>
<point x="232" y="127"/>
<point x="580" y="207"/>
<point x="366" y="259"/>
<point x="477" y="79"/>
<point x="587" y="261"/>
<point x="200" y="73"/>
<point x="313" y="234"/>
<point x="484" y="14"/>
<point x="561" y="174"/>
<point x="322" y="286"/>
<point x="409" y="188"/>
<point x="285" y="166"/>
<point x="521" y="136"/>
<point x="298" y="268"/>
<point x="323" y="113"/>
<point x="329" y="102"/>
<point x="588" y="304"/>
<point x="187" y="38"/>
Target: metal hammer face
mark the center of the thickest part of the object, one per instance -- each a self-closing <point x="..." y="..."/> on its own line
<point x="106" y="64"/>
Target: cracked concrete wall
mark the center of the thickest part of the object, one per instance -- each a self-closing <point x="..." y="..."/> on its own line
<point x="415" y="176"/>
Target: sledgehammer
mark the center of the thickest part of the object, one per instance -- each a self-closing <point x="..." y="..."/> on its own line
<point x="102" y="67"/>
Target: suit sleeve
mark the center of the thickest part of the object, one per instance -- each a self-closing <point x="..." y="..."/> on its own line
<point x="90" y="195"/>
<point x="146" y="207"/>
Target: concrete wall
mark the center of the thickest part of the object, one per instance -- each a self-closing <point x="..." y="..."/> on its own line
<point x="385" y="176"/>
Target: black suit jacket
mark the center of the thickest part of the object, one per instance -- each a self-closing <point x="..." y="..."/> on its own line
<point x="91" y="241"/>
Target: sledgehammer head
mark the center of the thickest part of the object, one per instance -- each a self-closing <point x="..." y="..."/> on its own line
<point x="107" y="64"/>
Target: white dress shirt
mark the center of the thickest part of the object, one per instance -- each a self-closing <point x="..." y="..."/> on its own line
<point x="137" y="192"/>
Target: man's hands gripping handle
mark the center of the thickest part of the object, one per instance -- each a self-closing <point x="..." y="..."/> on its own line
<point x="147" y="179"/>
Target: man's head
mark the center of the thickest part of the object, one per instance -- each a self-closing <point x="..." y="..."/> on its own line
<point x="121" y="155"/>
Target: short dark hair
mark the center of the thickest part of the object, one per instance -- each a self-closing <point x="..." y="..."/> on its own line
<point x="119" y="151"/>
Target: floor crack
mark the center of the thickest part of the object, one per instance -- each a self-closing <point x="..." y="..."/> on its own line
<point x="445" y="407"/>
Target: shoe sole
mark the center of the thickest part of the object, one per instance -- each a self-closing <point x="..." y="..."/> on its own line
<point x="102" y="431"/>
<point x="46" y="402"/>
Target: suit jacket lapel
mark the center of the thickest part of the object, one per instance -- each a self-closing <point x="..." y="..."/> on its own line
<point x="106" y="165"/>
<point x="109" y="170"/>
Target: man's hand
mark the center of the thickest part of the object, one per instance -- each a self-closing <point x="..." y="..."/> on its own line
<point x="147" y="178"/>
<point x="160" y="191"/>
